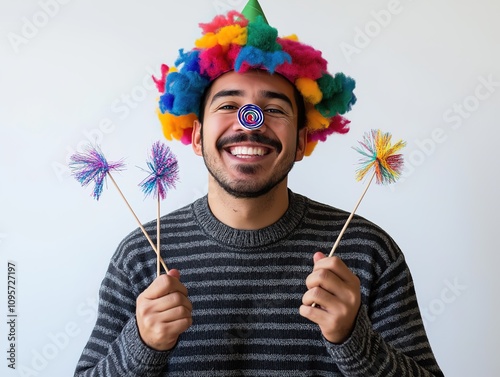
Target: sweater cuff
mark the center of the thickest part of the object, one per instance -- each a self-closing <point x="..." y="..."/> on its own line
<point x="141" y="355"/>
<point x="355" y="349"/>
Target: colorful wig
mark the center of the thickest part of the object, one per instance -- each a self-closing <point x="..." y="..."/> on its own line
<point x="241" y="42"/>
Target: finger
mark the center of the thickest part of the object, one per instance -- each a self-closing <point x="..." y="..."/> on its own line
<point x="318" y="255"/>
<point x="337" y="266"/>
<point x="329" y="281"/>
<point x="323" y="278"/>
<point x="174" y="273"/>
<point x="322" y="298"/>
<point x="162" y="286"/>
<point x="178" y="312"/>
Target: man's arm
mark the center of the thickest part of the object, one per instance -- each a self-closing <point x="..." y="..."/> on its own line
<point x="385" y="339"/>
<point x="122" y="342"/>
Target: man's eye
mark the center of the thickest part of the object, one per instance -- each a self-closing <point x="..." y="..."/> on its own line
<point x="227" y="107"/>
<point x="274" y="111"/>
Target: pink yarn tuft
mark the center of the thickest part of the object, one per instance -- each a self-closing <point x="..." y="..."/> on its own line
<point x="307" y="62"/>
<point x="233" y="18"/>
<point x="186" y="137"/>
<point x="218" y="60"/>
<point x="339" y="124"/>
<point x="160" y="83"/>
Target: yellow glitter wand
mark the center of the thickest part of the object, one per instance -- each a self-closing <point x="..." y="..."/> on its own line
<point x="379" y="155"/>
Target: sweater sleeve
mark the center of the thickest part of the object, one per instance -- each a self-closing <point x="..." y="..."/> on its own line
<point x="115" y="347"/>
<point x="389" y="338"/>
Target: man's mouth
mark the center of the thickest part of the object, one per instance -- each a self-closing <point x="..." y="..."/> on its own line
<point x="248" y="152"/>
<point x="260" y="145"/>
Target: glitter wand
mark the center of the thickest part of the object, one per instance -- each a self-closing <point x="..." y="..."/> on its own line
<point x="380" y="156"/>
<point x="163" y="174"/>
<point x="92" y="166"/>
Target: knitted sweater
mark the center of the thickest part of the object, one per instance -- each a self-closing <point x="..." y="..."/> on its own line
<point x="246" y="288"/>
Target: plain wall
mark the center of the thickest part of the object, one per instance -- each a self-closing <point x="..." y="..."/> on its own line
<point x="74" y="71"/>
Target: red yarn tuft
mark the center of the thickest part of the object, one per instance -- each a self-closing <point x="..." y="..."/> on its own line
<point x="160" y="83"/>
<point x="306" y="61"/>
<point x="233" y="18"/>
<point x="338" y="124"/>
<point x="218" y="60"/>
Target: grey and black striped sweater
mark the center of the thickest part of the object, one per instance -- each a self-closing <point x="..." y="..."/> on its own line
<point x="246" y="288"/>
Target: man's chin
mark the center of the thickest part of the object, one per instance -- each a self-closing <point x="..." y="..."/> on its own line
<point x="246" y="192"/>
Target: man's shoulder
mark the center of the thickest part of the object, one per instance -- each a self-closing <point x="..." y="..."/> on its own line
<point x="361" y="234"/>
<point x="324" y="211"/>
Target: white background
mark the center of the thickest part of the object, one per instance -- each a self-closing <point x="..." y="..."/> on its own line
<point x="73" y="71"/>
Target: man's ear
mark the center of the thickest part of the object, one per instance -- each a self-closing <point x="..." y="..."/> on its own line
<point x="301" y="144"/>
<point x="196" y="138"/>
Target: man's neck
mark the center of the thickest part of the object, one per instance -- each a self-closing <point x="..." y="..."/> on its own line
<point x="248" y="213"/>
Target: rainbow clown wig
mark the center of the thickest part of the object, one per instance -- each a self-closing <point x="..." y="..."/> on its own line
<point x="241" y="42"/>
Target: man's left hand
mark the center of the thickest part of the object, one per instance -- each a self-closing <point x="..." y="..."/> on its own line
<point x="336" y="292"/>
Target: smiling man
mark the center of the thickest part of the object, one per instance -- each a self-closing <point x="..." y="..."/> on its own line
<point x="249" y="168"/>
<point x="248" y="258"/>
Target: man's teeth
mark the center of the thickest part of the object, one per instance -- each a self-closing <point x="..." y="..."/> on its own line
<point x="248" y="151"/>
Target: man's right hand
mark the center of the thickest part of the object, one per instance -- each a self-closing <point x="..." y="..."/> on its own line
<point x="163" y="312"/>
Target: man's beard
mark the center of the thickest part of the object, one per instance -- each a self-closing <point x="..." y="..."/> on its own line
<point x="245" y="188"/>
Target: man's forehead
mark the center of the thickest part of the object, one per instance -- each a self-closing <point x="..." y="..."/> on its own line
<point x="260" y="84"/>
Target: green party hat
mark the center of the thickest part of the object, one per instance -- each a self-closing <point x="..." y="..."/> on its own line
<point x="252" y="10"/>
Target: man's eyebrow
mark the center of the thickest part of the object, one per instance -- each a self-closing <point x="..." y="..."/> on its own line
<point x="277" y="95"/>
<point x="240" y="93"/>
<point x="227" y="93"/>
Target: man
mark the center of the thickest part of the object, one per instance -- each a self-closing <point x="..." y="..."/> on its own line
<point x="248" y="259"/>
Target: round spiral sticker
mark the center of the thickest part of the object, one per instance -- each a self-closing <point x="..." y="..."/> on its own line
<point x="251" y="116"/>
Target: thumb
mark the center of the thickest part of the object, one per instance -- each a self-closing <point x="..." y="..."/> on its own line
<point x="174" y="273"/>
<point x="318" y="256"/>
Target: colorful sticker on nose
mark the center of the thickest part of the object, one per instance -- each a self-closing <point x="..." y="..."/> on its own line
<point x="251" y="116"/>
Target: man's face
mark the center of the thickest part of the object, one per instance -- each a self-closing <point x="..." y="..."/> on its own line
<point x="245" y="163"/>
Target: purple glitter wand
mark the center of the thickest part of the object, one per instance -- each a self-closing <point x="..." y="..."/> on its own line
<point x="92" y="166"/>
<point x="163" y="169"/>
<point x="163" y="174"/>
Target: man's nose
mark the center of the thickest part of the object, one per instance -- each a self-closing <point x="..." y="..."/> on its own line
<point x="251" y="118"/>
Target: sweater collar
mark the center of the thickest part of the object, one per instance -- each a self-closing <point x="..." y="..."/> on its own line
<point x="227" y="236"/>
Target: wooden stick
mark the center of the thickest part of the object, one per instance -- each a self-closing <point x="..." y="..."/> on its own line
<point x="158" y="255"/>
<point x="351" y="216"/>
<point x="139" y="222"/>
<point x="348" y="221"/>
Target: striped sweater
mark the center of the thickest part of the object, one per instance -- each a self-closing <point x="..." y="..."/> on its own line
<point x="246" y="288"/>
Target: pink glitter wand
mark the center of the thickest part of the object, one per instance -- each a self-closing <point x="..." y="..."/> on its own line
<point x="92" y="166"/>
<point x="163" y="174"/>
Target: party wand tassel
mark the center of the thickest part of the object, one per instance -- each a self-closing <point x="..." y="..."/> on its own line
<point x="163" y="174"/>
<point x="379" y="156"/>
<point x="92" y="166"/>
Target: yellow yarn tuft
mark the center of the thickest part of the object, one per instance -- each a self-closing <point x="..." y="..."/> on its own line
<point x="309" y="89"/>
<point x="316" y="121"/>
<point x="173" y="126"/>
<point x="232" y="34"/>
<point x="310" y="147"/>
<point x="292" y="37"/>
